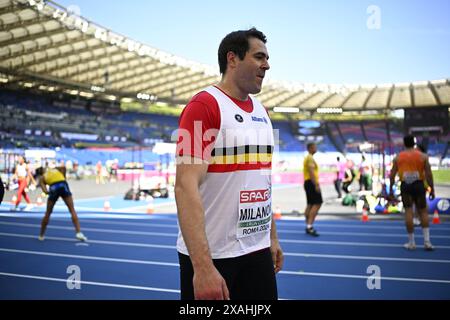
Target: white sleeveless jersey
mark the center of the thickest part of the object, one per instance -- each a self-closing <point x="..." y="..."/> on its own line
<point x="236" y="193"/>
<point x="22" y="170"/>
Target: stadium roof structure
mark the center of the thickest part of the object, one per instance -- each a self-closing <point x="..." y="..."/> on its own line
<point x="47" y="47"/>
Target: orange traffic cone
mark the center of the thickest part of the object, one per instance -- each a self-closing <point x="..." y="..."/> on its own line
<point x="39" y="201"/>
<point x="106" y="205"/>
<point x="436" y="219"/>
<point x="150" y="208"/>
<point x="365" y="216"/>
<point x="277" y="213"/>
<point x="13" y="199"/>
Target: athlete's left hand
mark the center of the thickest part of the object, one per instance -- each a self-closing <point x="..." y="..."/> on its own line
<point x="277" y="255"/>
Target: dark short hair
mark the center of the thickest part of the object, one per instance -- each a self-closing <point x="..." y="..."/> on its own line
<point x="309" y="145"/>
<point x="409" y="141"/>
<point x="237" y="42"/>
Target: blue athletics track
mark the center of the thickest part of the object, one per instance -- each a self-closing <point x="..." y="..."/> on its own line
<point x="133" y="256"/>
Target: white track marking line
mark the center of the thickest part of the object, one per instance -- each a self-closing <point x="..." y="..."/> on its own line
<point x="151" y="262"/>
<point x="363" y="234"/>
<point x="351" y="276"/>
<point x="92" y="283"/>
<point x="353" y="226"/>
<point x="90" y="241"/>
<point x="173" y="247"/>
<point x="315" y="242"/>
<point x="146" y="233"/>
<point x="62" y="255"/>
<point x="356" y="244"/>
<point x="353" y="257"/>
<point x="296" y="273"/>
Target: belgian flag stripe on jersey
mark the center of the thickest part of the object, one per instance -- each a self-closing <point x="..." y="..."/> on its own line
<point x="250" y="157"/>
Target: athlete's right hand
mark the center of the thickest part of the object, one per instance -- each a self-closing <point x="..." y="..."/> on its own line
<point x="210" y="285"/>
<point x="432" y="195"/>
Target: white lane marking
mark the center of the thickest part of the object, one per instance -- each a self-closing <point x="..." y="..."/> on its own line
<point x="62" y="255"/>
<point x="296" y="273"/>
<point x="351" y="276"/>
<point x="353" y="257"/>
<point x="92" y="283"/>
<point x="146" y="233"/>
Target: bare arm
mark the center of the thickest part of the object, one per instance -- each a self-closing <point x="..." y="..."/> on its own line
<point x="429" y="177"/>
<point x="208" y="283"/>
<point x="43" y="185"/>
<point x="275" y="248"/>
<point x="311" y="168"/>
<point x="394" y="171"/>
<point x="15" y="175"/>
<point x="62" y="170"/>
<point x="30" y="175"/>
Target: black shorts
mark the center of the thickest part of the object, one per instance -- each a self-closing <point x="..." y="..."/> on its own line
<point x="248" y="277"/>
<point x="59" y="189"/>
<point x="413" y="193"/>
<point x="312" y="196"/>
<point x="2" y="190"/>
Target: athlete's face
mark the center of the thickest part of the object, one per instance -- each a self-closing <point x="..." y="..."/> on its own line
<point x="313" y="149"/>
<point x="251" y="70"/>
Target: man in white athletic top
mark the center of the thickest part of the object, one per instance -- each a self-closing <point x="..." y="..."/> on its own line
<point x="228" y="245"/>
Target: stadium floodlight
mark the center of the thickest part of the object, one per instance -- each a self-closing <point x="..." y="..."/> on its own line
<point x="72" y="92"/>
<point x="101" y="34"/>
<point x="86" y="94"/>
<point x="111" y="97"/>
<point x="399" y="113"/>
<point x="286" y="109"/>
<point x="97" y="89"/>
<point x="366" y="146"/>
<point x="143" y="96"/>
<point x="39" y="4"/>
<point x="329" y="110"/>
<point x="3" y="80"/>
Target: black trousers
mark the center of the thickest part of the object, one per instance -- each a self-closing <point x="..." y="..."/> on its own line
<point x="338" y="187"/>
<point x="248" y="277"/>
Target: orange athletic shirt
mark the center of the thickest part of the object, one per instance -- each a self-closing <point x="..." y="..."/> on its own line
<point x="410" y="161"/>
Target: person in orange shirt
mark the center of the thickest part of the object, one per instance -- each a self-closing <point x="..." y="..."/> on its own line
<point x="413" y="168"/>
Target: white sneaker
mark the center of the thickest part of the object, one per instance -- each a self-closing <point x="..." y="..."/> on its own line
<point x="428" y="246"/>
<point x="410" y="246"/>
<point x="80" y="236"/>
<point x="416" y="221"/>
<point x="41" y="238"/>
<point x="29" y="207"/>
